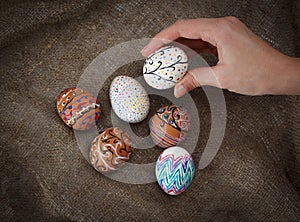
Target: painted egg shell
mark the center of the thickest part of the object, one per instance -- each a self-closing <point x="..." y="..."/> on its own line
<point x="129" y="99"/>
<point x="110" y="149"/>
<point x="169" y="125"/>
<point x="78" y="109"/>
<point x="165" y="67"/>
<point x="174" y="170"/>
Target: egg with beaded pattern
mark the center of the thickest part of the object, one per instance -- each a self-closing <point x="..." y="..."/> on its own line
<point x="165" y="67"/>
<point x="174" y="170"/>
<point x="110" y="149"/>
<point x="129" y="99"/>
<point x="78" y="109"/>
<point x="169" y="125"/>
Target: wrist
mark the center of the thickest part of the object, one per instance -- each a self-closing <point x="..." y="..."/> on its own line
<point x="286" y="76"/>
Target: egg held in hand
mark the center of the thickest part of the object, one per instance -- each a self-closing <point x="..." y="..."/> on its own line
<point x="165" y="67"/>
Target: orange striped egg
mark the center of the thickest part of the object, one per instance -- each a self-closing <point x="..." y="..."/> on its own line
<point x="78" y="109"/>
<point x="169" y="125"/>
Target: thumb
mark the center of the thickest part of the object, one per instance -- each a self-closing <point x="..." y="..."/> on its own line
<point x="194" y="78"/>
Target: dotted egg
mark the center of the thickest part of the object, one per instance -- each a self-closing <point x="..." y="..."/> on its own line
<point x="165" y="67"/>
<point x="129" y="99"/>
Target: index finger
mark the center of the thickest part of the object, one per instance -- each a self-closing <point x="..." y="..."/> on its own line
<point x="203" y="28"/>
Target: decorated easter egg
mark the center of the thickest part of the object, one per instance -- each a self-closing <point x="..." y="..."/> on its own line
<point x="129" y="99"/>
<point x="165" y="67"/>
<point x="174" y="170"/>
<point x="169" y="125"/>
<point x="78" y="109"/>
<point x="110" y="149"/>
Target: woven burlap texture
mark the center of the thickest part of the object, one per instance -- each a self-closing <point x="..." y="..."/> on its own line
<point x="45" y="47"/>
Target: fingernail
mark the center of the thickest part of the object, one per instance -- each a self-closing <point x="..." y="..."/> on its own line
<point x="179" y="91"/>
<point x="145" y="50"/>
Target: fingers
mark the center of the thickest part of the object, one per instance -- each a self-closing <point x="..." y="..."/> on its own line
<point x="203" y="29"/>
<point x="193" y="43"/>
<point x="202" y="35"/>
<point x="197" y="46"/>
<point x="196" y="77"/>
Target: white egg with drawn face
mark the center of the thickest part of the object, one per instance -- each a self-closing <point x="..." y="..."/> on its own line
<point x="165" y="67"/>
<point x="129" y="99"/>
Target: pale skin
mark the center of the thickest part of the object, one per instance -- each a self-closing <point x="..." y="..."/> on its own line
<point x="246" y="64"/>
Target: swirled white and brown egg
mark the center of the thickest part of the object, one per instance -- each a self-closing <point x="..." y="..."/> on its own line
<point x="110" y="150"/>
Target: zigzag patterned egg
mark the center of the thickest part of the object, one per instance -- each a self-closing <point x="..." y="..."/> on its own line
<point x="110" y="149"/>
<point x="169" y="125"/>
<point x="165" y="67"/>
<point x="78" y="109"/>
<point x="174" y="170"/>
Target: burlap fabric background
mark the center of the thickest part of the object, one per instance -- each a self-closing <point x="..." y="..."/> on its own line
<point x="46" y="45"/>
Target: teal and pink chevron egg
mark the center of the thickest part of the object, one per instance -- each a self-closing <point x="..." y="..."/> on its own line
<point x="174" y="170"/>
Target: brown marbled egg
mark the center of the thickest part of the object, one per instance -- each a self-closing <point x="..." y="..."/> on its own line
<point x="110" y="149"/>
<point x="78" y="109"/>
<point x="169" y="125"/>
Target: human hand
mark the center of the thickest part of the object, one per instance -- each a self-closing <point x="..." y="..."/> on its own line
<point x="247" y="65"/>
